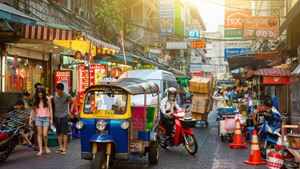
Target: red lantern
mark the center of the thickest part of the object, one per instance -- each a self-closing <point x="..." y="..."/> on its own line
<point x="116" y="72"/>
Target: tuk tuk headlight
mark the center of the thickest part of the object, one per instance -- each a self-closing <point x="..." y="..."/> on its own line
<point x="79" y="125"/>
<point x="100" y="125"/>
<point x="125" y="125"/>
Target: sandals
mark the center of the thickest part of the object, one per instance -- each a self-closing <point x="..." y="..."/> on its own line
<point x="63" y="152"/>
<point x="48" y="151"/>
<point x="39" y="154"/>
<point x="58" y="151"/>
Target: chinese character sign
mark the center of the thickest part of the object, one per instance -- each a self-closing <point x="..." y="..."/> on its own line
<point x="166" y="17"/>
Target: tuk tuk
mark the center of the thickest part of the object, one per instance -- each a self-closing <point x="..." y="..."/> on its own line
<point x="112" y="129"/>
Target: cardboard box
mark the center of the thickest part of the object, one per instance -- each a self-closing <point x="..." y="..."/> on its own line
<point x="210" y="105"/>
<point x="200" y="85"/>
<point x="199" y="108"/>
<point x="201" y="96"/>
<point x="199" y="101"/>
<point x="198" y="116"/>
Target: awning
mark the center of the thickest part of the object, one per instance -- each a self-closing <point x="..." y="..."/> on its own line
<point x="278" y="72"/>
<point x="14" y="15"/>
<point x="296" y="71"/>
<point x="262" y="59"/>
<point x="67" y="37"/>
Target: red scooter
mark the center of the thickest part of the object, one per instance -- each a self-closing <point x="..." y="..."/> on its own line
<point x="183" y="133"/>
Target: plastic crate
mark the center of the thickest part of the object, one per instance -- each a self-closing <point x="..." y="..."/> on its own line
<point x="227" y="110"/>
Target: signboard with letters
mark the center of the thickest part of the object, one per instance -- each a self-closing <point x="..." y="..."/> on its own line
<point x="194" y="34"/>
<point x="238" y="44"/>
<point x="166" y="17"/>
<point x="235" y="51"/>
<point x="64" y="77"/>
<point x="261" y="27"/>
<point x="199" y="44"/>
<point x="176" y="45"/>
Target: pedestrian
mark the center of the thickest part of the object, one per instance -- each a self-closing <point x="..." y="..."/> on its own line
<point x="26" y="99"/>
<point x="32" y="118"/>
<point x="43" y="118"/>
<point x="61" y="102"/>
<point x="19" y="107"/>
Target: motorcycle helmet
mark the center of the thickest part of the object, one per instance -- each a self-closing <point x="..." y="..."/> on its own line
<point x="171" y="93"/>
<point x="268" y="102"/>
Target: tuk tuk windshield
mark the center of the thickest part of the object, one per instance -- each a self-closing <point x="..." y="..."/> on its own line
<point x="104" y="103"/>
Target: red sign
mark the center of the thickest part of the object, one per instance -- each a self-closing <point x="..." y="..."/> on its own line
<point x="199" y="73"/>
<point x="97" y="72"/>
<point x="64" y="77"/>
<point x="276" y="80"/>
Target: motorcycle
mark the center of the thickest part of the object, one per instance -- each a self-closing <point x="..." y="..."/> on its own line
<point x="267" y="134"/>
<point x="183" y="133"/>
<point x="10" y="133"/>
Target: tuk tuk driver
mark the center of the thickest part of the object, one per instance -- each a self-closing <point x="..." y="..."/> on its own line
<point x="167" y="107"/>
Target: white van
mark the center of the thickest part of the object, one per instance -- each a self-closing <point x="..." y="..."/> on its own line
<point x="162" y="78"/>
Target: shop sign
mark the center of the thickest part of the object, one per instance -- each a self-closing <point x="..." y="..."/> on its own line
<point x="275" y="80"/>
<point x="196" y="59"/>
<point x="64" y="77"/>
<point x="194" y="34"/>
<point x="199" y="44"/>
<point x="233" y="33"/>
<point x="261" y="28"/>
<point x="235" y="51"/>
<point x="166" y="17"/>
<point x="198" y="73"/>
<point x="209" y="68"/>
<point x="177" y="45"/>
<point x="97" y="72"/>
<point x="238" y="44"/>
<point x="233" y="18"/>
<point x="196" y="66"/>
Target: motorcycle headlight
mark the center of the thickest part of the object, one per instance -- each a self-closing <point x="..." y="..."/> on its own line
<point x="125" y="125"/>
<point x="79" y="125"/>
<point x="100" y="125"/>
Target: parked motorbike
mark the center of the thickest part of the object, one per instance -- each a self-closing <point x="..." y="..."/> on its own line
<point x="10" y="132"/>
<point x="183" y="133"/>
<point x="267" y="134"/>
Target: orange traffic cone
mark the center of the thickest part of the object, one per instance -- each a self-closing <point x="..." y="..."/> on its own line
<point x="238" y="137"/>
<point x="255" y="157"/>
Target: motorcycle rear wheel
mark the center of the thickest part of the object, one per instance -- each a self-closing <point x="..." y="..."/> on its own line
<point x="162" y="140"/>
<point x="191" y="144"/>
<point x="4" y="156"/>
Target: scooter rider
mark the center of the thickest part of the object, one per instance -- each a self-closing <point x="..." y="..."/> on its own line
<point x="272" y="115"/>
<point x="167" y="107"/>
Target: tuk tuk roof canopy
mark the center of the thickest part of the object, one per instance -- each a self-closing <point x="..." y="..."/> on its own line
<point x="133" y="86"/>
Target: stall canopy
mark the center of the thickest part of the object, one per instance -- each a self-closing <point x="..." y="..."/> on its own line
<point x="14" y="15"/>
<point x="273" y="72"/>
<point x="255" y="61"/>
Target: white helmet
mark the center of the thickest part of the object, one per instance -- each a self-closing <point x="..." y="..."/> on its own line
<point x="171" y="92"/>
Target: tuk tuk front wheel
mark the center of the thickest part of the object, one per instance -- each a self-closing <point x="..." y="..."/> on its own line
<point x="99" y="162"/>
<point x="153" y="153"/>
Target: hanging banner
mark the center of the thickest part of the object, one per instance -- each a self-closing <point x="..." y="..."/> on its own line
<point x="166" y="17"/>
<point x="97" y="72"/>
<point x="64" y="77"/>
<point x="261" y="28"/>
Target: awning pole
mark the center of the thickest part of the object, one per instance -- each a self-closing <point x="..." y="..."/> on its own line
<point x="124" y="54"/>
<point x="89" y="64"/>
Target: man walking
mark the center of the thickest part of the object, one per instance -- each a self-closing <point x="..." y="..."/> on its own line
<point x="61" y="102"/>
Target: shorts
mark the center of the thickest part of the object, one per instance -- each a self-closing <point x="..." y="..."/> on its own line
<point x="61" y="125"/>
<point x="42" y="121"/>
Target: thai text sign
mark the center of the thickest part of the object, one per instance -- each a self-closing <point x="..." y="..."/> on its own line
<point x="235" y="51"/>
<point x="199" y="44"/>
<point x="233" y="33"/>
<point x="261" y="27"/>
<point x="194" y="34"/>
<point x="166" y="17"/>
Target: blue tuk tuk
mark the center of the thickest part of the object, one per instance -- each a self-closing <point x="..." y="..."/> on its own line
<point x="112" y="129"/>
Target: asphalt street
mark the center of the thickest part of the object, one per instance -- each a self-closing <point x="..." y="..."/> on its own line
<point x="212" y="153"/>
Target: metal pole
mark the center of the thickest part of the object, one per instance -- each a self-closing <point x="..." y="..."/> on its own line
<point x="89" y="64"/>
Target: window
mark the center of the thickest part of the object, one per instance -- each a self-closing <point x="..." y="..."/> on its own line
<point x="105" y="102"/>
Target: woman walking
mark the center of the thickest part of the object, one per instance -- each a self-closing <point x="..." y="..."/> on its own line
<point x="43" y="118"/>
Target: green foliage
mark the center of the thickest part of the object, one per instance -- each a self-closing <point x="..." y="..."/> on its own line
<point x="110" y="18"/>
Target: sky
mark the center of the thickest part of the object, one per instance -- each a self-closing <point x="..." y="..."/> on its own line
<point x="212" y="12"/>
